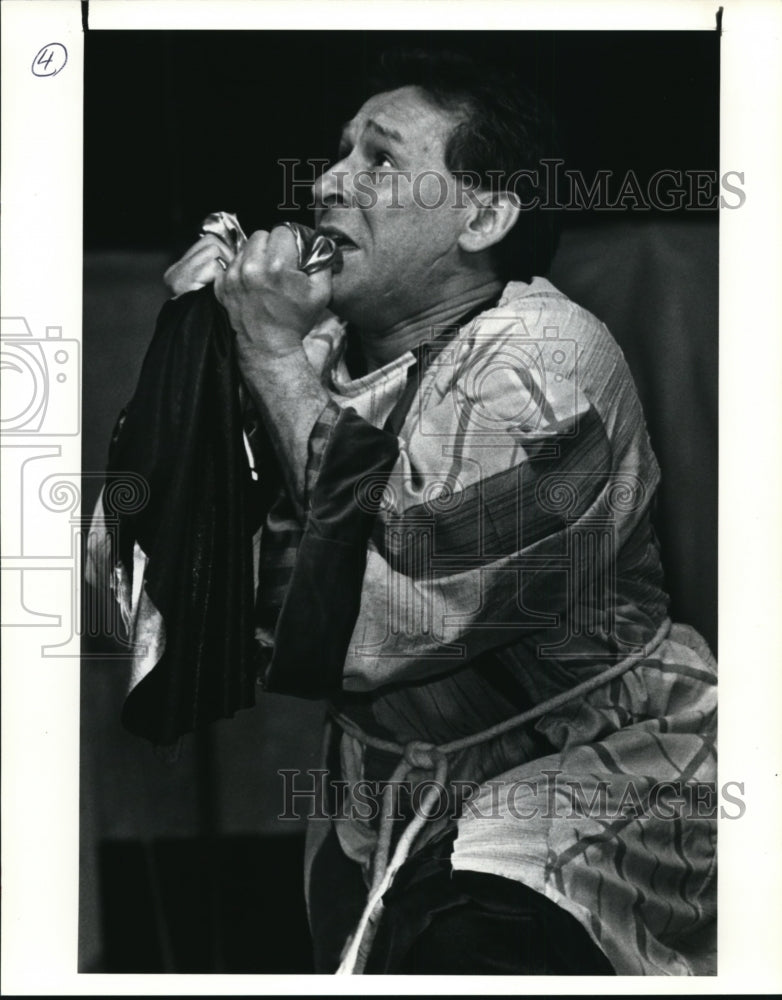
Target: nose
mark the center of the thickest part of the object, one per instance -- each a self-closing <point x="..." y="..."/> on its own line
<point x="332" y="187"/>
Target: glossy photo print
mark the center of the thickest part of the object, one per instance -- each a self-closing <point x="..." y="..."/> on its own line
<point x="384" y="453"/>
<point x="475" y="549"/>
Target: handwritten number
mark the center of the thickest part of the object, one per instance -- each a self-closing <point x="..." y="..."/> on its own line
<point x="50" y="60"/>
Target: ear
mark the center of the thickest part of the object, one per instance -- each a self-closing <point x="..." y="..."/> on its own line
<point x="489" y="219"/>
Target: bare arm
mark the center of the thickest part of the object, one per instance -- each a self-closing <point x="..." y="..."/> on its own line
<point x="272" y="306"/>
<point x="288" y="396"/>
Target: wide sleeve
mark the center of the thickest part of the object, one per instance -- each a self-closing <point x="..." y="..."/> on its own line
<point x="323" y="589"/>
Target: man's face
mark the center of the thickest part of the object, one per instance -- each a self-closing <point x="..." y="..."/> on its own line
<point x="391" y="195"/>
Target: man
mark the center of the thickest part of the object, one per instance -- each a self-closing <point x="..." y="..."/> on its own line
<point x="461" y="562"/>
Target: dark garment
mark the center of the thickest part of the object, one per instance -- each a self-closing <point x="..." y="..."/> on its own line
<point x="182" y="432"/>
<point x="323" y="590"/>
<point x="437" y="921"/>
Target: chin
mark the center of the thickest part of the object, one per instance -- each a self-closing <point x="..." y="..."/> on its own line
<point x="347" y="297"/>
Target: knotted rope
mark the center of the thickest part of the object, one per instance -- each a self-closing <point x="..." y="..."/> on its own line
<point x="418" y="755"/>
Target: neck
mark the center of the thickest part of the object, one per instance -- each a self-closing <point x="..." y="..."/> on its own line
<point x="381" y="345"/>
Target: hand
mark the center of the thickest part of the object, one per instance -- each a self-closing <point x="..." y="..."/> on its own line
<point x="199" y="266"/>
<point x="272" y="305"/>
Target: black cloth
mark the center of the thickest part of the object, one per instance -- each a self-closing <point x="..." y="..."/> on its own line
<point x="437" y="921"/>
<point x="182" y="431"/>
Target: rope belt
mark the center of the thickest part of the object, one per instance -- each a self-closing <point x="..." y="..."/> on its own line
<point x="418" y="755"/>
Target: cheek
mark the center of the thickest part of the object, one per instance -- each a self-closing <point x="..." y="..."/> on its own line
<point x="430" y="191"/>
<point x="412" y="225"/>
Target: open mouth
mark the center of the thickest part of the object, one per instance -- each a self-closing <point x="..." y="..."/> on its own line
<point x="342" y="241"/>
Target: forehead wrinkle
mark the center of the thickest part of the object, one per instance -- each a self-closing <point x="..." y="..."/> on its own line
<point x="420" y="121"/>
<point x="373" y="126"/>
<point x="387" y="133"/>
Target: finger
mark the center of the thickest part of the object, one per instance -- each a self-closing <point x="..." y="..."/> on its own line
<point x="320" y="283"/>
<point x="199" y="270"/>
<point x="207" y="241"/>
<point x="209" y="252"/>
<point x="256" y="244"/>
<point x="227" y="267"/>
<point x="209" y="270"/>
<point x="197" y="256"/>
<point x="282" y="250"/>
<point x="219" y="286"/>
<point x="195" y="279"/>
<point x="251" y="261"/>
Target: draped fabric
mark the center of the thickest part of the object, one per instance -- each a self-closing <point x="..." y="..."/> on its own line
<point x="183" y="561"/>
<point x="511" y="557"/>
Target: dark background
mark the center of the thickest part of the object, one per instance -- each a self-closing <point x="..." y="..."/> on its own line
<point x="184" y="864"/>
<point x="179" y="124"/>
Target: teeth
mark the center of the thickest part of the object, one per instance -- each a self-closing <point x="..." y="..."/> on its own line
<point x="338" y="238"/>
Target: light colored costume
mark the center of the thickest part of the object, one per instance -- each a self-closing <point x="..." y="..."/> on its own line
<point x="511" y="561"/>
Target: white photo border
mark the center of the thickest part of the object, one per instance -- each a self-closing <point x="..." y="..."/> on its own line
<point x="41" y="274"/>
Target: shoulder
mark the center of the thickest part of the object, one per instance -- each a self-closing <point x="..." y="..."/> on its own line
<point x="537" y="327"/>
<point x="539" y="313"/>
<point x="536" y="356"/>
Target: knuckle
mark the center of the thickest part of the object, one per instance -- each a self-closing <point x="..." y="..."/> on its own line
<point x="249" y="268"/>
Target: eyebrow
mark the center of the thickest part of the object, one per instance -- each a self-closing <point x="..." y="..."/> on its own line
<point x="374" y="126"/>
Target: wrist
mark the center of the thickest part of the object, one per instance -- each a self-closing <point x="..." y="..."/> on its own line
<point x="266" y="344"/>
<point x="277" y="374"/>
<point x="271" y="364"/>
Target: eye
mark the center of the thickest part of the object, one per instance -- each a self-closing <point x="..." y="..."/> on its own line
<point x="383" y="159"/>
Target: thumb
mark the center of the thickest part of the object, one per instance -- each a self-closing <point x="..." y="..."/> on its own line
<point x="320" y="285"/>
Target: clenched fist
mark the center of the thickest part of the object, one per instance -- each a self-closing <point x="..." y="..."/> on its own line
<point x="272" y="305"/>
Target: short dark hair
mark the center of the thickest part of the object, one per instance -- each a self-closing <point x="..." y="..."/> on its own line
<point x="506" y="128"/>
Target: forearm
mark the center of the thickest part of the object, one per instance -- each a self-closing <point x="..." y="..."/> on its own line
<point x="272" y="305"/>
<point x="290" y="399"/>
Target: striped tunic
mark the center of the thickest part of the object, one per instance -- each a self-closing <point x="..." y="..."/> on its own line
<point x="508" y="557"/>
